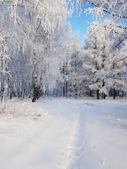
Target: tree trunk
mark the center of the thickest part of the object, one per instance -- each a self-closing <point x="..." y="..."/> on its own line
<point x="34" y="77"/>
<point x="2" y="78"/>
<point x="66" y="88"/>
<point x="114" y="93"/>
<point x="36" y="93"/>
<point x="104" y="96"/>
<point x="64" y="91"/>
<point x="10" y="86"/>
<point x="98" y="95"/>
<point x="2" y="93"/>
<point x="90" y="93"/>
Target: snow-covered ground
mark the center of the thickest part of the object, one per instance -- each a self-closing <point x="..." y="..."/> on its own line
<point x="63" y="134"/>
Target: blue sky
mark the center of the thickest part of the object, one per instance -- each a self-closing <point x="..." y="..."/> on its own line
<point x="80" y="24"/>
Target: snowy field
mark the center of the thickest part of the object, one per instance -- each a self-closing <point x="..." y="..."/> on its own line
<point x="63" y="134"/>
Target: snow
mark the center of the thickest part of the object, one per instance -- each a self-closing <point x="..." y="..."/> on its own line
<point x="63" y="134"/>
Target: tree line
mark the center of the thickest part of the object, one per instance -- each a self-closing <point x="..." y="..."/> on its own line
<point x="39" y="57"/>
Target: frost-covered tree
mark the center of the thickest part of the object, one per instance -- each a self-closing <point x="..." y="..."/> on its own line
<point x="71" y="69"/>
<point x="75" y="69"/>
<point x="56" y="55"/>
<point x="4" y="59"/>
<point x="105" y="51"/>
<point x="115" y="8"/>
<point x="31" y="26"/>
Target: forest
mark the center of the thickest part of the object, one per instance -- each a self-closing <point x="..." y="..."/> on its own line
<point x="40" y="57"/>
<point x="79" y="116"/>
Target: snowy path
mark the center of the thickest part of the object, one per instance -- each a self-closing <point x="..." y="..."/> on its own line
<point x="70" y="134"/>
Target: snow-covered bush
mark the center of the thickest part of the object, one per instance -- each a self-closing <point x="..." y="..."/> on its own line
<point x="20" y="108"/>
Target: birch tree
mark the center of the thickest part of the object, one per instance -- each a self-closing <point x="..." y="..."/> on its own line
<point x="31" y="26"/>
